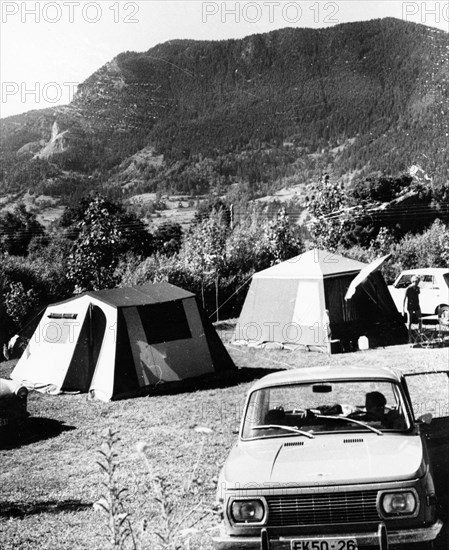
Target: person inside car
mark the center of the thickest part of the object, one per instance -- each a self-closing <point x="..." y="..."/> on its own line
<point x="375" y="406"/>
<point x="375" y="410"/>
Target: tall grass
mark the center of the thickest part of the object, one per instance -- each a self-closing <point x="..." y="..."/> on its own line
<point x="175" y="525"/>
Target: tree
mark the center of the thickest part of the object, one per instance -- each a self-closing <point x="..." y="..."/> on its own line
<point x="95" y="253"/>
<point x="134" y="234"/>
<point x="135" y="237"/>
<point x="325" y="209"/>
<point x="204" y="250"/>
<point x="213" y="207"/>
<point x="378" y="188"/>
<point x="17" y="229"/>
<point x="168" y="238"/>
<point x="244" y="252"/>
<point x="19" y="303"/>
<point x="282" y="242"/>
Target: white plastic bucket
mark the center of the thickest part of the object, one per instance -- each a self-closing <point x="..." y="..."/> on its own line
<point x="363" y="343"/>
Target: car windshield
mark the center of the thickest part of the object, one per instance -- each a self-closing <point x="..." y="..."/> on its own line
<point x="322" y="407"/>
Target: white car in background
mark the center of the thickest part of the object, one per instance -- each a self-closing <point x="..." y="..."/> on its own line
<point x="434" y="291"/>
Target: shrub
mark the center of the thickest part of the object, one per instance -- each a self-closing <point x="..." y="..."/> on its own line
<point x="26" y="285"/>
<point x="428" y="249"/>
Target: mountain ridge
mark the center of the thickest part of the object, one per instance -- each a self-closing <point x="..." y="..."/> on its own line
<point x="351" y="99"/>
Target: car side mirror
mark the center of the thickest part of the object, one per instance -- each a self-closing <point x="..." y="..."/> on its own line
<point x="425" y="418"/>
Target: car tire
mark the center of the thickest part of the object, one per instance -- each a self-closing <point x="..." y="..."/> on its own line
<point x="443" y="315"/>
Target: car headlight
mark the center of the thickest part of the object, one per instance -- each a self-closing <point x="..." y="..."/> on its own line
<point x="247" y="511"/>
<point x="400" y="503"/>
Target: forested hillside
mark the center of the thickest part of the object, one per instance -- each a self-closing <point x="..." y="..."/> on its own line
<point x="270" y="109"/>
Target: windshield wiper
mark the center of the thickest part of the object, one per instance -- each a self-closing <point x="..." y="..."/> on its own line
<point x="359" y="422"/>
<point x="286" y="428"/>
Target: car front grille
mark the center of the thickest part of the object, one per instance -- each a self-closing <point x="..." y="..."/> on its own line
<point x="318" y="509"/>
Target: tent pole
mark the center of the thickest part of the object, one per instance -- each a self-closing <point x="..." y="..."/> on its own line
<point x="216" y="297"/>
<point x="91" y="337"/>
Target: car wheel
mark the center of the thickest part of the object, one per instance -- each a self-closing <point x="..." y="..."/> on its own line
<point x="443" y="315"/>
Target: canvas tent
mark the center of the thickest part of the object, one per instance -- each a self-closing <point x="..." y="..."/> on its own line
<point x="301" y="303"/>
<point x="115" y="343"/>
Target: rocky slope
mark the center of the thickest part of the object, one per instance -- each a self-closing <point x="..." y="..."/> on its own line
<point x="261" y="111"/>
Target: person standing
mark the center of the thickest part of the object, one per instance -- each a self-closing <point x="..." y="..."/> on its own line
<point x="411" y="298"/>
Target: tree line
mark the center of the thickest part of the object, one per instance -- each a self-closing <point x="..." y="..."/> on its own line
<point x="100" y="243"/>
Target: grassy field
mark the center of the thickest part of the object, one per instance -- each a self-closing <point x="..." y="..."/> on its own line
<point x="50" y="479"/>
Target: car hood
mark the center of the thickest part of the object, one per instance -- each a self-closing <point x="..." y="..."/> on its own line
<point x="325" y="460"/>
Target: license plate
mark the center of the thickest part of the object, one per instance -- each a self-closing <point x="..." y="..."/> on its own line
<point x="324" y="544"/>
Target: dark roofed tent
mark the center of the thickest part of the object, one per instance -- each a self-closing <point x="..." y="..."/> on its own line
<point x="301" y="302"/>
<point x="117" y="343"/>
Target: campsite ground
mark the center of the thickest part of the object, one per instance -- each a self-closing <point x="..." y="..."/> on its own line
<point x="50" y="479"/>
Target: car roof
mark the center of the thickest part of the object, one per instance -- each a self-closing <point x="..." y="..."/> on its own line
<point x="327" y="374"/>
<point x="425" y="270"/>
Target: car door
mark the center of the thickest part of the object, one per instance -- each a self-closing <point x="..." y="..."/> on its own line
<point x="441" y="286"/>
<point x="428" y="296"/>
<point x="429" y="393"/>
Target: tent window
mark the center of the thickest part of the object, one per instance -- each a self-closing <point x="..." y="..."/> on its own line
<point x="62" y="315"/>
<point x="164" y="322"/>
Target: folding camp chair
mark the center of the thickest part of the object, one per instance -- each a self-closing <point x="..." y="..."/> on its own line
<point x="416" y="334"/>
<point x="443" y="328"/>
<point x="429" y="336"/>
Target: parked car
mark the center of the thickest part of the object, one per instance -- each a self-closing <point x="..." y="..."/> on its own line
<point x="316" y="468"/>
<point x="434" y="291"/>
<point x="13" y="402"/>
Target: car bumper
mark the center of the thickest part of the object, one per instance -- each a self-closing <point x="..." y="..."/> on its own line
<point x="267" y="542"/>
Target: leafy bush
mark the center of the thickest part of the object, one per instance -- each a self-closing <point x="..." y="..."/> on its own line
<point x="17" y="228"/>
<point x="26" y="285"/>
<point x="347" y="216"/>
<point x="18" y="302"/>
<point x="378" y="189"/>
<point x="427" y="249"/>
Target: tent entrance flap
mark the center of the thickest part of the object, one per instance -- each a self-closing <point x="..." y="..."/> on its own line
<point x="87" y="350"/>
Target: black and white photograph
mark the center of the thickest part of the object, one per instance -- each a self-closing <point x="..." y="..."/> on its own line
<point x="224" y="275"/>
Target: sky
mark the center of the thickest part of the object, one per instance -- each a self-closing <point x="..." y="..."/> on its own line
<point x="49" y="47"/>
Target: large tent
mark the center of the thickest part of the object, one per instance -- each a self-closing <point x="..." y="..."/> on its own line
<point x="116" y="343"/>
<point x="301" y="303"/>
